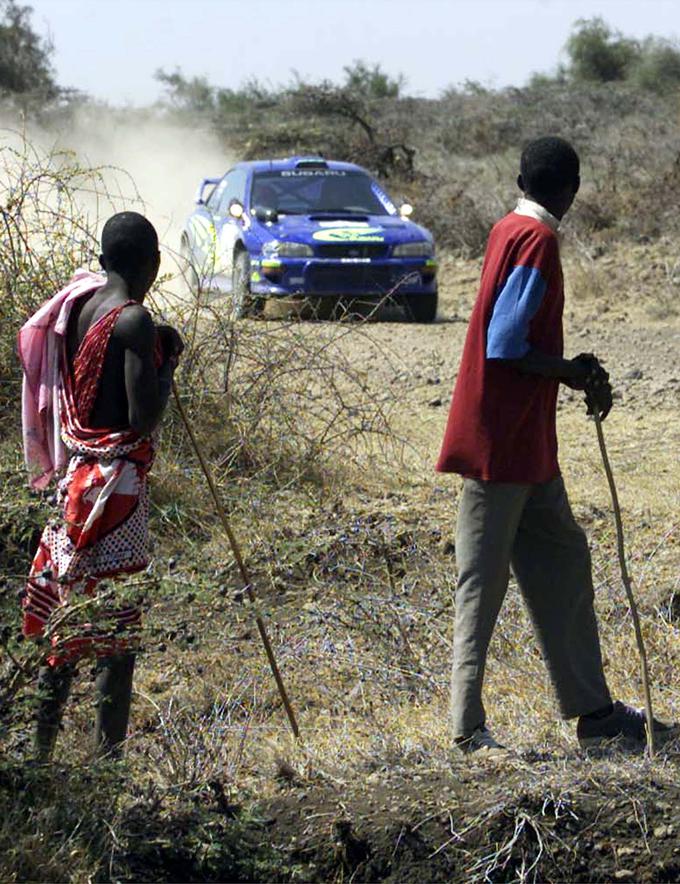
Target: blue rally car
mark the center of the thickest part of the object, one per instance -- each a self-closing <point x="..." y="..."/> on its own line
<point x="311" y="228"/>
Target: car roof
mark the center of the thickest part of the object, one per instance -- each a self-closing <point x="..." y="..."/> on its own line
<point x="309" y="162"/>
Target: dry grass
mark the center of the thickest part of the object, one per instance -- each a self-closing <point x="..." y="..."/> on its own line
<point x="323" y="445"/>
<point x="358" y="592"/>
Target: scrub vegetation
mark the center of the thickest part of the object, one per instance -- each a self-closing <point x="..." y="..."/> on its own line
<point x="322" y="438"/>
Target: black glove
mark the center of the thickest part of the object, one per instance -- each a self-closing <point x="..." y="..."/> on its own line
<point x="596" y="385"/>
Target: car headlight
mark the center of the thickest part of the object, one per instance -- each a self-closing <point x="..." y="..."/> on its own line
<point x="277" y="249"/>
<point x="421" y="249"/>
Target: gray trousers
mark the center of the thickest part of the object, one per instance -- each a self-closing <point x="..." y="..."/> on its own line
<point x="530" y="528"/>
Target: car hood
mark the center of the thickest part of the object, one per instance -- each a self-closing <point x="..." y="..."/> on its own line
<point x="320" y="229"/>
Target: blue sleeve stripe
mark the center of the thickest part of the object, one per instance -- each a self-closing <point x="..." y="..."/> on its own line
<point x="516" y="305"/>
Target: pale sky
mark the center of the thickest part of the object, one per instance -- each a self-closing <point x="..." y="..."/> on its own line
<point x="111" y="48"/>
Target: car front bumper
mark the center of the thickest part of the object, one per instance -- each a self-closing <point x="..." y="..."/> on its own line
<point x="321" y="277"/>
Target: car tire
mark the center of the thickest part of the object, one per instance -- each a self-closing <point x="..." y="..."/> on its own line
<point x="188" y="269"/>
<point x="422" y="308"/>
<point x="242" y="302"/>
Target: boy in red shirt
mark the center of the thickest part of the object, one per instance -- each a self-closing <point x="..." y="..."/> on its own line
<point x="501" y="437"/>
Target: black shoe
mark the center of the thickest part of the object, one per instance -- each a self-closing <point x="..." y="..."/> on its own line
<point x="481" y="743"/>
<point x="624" y="726"/>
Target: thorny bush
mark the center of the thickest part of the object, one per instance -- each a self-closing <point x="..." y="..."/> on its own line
<point x="265" y="400"/>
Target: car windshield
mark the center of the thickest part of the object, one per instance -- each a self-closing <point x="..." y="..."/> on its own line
<point x="314" y="191"/>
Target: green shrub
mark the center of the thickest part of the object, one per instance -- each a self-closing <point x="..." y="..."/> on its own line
<point x="658" y="67"/>
<point x="598" y="54"/>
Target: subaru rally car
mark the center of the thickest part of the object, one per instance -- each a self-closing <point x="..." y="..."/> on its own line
<point x="311" y="228"/>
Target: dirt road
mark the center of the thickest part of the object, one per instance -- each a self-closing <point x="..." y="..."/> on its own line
<point x="616" y="314"/>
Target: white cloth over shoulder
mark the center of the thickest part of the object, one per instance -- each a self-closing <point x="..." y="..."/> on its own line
<point x="532" y="209"/>
<point x="40" y="344"/>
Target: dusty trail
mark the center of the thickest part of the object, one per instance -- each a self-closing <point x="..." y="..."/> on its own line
<point x="418" y="363"/>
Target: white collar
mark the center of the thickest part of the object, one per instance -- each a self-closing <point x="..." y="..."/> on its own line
<point x="536" y="211"/>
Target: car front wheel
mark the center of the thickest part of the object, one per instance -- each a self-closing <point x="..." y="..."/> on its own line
<point x="188" y="270"/>
<point x="242" y="302"/>
<point x="421" y="308"/>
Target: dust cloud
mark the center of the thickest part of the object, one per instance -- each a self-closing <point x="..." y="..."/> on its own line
<point x="147" y="163"/>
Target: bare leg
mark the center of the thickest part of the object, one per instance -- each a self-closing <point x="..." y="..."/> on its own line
<point x="114" y="691"/>
<point x="54" y="685"/>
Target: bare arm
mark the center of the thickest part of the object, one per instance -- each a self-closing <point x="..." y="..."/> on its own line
<point x="572" y="372"/>
<point x="584" y="372"/>
<point x="146" y="387"/>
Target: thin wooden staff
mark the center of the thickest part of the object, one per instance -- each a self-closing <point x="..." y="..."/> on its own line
<point x="625" y="577"/>
<point x="248" y="585"/>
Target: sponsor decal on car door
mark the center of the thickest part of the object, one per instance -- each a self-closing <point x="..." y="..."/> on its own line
<point x="228" y="228"/>
<point x="203" y="236"/>
<point x="227" y="234"/>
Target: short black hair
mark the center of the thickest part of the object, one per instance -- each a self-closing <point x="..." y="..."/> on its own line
<point x="129" y="241"/>
<point x="548" y="165"/>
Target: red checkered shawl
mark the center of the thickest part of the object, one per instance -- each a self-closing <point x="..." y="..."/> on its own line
<point x="102" y="531"/>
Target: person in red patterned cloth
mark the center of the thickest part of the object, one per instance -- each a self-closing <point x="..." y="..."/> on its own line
<point x="97" y="376"/>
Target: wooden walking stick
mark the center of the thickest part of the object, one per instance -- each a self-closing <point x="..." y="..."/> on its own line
<point x="625" y="577"/>
<point x="235" y="548"/>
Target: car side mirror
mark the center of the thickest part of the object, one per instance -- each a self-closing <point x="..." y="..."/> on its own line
<point x="236" y="209"/>
<point x="265" y="215"/>
<point x="198" y="199"/>
<point x="405" y="210"/>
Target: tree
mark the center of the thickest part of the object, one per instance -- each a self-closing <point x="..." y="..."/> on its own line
<point x="599" y="54"/>
<point x="196" y="95"/>
<point x="193" y="94"/>
<point x="325" y="99"/>
<point x="658" y="68"/>
<point x="372" y="82"/>
<point x="25" y="57"/>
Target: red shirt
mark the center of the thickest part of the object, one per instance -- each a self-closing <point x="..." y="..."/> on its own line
<point x="502" y="424"/>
